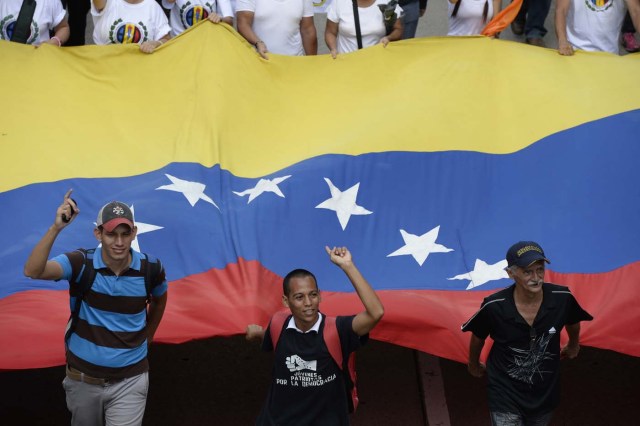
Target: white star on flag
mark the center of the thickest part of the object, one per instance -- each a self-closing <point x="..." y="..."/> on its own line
<point x="263" y="185"/>
<point x="343" y="203"/>
<point x="193" y="191"/>
<point x="420" y="247"/>
<point x="483" y="273"/>
<point x="142" y="229"/>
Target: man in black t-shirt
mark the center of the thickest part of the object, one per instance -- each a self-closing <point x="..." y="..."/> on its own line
<point x="308" y="387"/>
<point x="524" y="321"/>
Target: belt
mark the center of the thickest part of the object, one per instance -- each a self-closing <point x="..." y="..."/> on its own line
<point x="79" y="376"/>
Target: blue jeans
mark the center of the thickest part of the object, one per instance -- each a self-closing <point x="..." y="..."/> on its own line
<point x="532" y="14"/>
<point x="513" y="419"/>
<point x="410" y="19"/>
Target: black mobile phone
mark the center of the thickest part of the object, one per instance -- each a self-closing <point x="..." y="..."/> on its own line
<point x="66" y="219"/>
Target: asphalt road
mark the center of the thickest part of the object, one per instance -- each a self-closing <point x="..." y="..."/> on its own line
<point x="223" y="381"/>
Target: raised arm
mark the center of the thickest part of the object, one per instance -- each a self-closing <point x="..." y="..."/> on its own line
<point x="374" y="311"/>
<point x="38" y="265"/>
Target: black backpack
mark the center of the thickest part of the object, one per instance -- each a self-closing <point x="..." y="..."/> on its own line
<point x="150" y="267"/>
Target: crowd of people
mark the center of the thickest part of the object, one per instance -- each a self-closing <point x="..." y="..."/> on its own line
<point x="118" y="297"/>
<point x="287" y="27"/>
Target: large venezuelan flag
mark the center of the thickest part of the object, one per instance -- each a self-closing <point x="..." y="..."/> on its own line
<point x="427" y="159"/>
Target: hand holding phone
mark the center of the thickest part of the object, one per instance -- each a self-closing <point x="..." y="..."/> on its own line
<point x="66" y="219"/>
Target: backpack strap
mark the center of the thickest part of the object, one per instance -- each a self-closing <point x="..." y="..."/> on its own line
<point x="151" y="269"/>
<point x="332" y="340"/>
<point x="353" y="391"/>
<point x="22" y="27"/>
<point x="356" y="19"/>
<point x="455" y="9"/>
<point x="276" y="325"/>
<point x="87" y="275"/>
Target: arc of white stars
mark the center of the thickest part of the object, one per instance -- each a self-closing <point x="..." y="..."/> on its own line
<point x="343" y="203"/>
<point x="420" y="246"/>
<point x="264" y="185"/>
<point x="193" y="191"/>
<point x="483" y="273"/>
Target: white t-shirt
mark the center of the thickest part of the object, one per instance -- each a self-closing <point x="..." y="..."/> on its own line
<point x="595" y="28"/>
<point x="48" y="15"/>
<point x="372" y="26"/>
<point x="186" y="13"/>
<point x="122" y="23"/>
<point x="277" y="23"/>
<point x="468" y="20"/>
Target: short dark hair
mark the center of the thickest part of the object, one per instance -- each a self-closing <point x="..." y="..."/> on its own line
<point x="296" y="273"/>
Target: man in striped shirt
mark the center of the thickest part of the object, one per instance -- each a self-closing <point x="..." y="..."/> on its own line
<point x="118" y="314"/>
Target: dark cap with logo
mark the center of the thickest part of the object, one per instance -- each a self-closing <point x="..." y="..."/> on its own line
<point x="113" y="214"/>
<point x="524" y="253"/>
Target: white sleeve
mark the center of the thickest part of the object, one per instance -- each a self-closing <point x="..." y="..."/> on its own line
<point x="57" y="14"/>
<point x="332" y="12"/>
<point x="166" y="4"/>
<point x="224" y="8"/>
<point x="308" y="8"/>
<point x="161" y="23"/>
<point x="245" y="6"/>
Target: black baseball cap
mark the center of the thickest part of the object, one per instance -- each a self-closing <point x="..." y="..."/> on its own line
<point x="524" y="253"/>
<point x="113" y="214"/>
